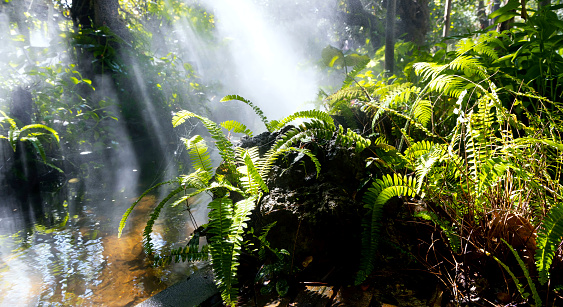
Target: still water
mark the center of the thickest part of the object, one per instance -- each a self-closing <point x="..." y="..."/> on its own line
<point x="77" y="259"/>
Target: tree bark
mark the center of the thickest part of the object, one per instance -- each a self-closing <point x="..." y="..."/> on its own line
<point x="390" y="38"/>
<point x="415" y="16"/>
<point x="447" y="14"/>
<point x="126" y="82"/>
<point x="482" y="15"/>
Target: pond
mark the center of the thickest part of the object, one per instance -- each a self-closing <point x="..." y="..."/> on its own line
<point x="69" y="254"/>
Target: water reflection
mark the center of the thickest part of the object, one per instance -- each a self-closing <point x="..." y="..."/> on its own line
<point x="81" y="262"/>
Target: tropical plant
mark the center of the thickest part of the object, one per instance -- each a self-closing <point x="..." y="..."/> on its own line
<point x="26" y="134"/>
<point x="477" y="136"/>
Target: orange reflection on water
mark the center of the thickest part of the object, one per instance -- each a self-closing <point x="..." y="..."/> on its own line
<point x="85" y="265"/>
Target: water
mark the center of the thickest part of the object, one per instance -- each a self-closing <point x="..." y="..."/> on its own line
<point x="74" y="258"/>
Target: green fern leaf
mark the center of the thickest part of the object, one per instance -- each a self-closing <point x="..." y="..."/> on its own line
<point x="236" y="127"/>
<point x="550" y="235"/>
<point x="256" y="109"/>
<point x="355" y="71"/>
<point x="448" y="230"/>
<point x="381" y="191"/>
<point x="227" y="225"/>
<point x="40" y="126"/>
<point x="251" y="178"/>
<point x="148" y="247"/>
<point x="197" y="150"/>
<point x="223" y="144"/>
<point x="309" y="114"/>
<point x="130" y="209"/>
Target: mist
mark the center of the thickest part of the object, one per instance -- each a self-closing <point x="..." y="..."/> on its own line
<point x="263" y="51"/>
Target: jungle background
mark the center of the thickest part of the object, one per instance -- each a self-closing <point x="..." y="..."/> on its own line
<point x="406" y="150"/>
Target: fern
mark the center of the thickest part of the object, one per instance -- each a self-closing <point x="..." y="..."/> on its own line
<point x="264" y="244"/>
<point x="264" y="165"/>
<point x="519" y="286"/>
<point x="16" y="134"/>
<point x="251" y="178"/>
<point x="191" y="252"/>
<point x="549" y="237"/>
<point x="236" y="127"/>
<point x="447" y="229"/>
<point x="355" y="71"/>
<point x="322" y="130"/>
<point x="152" y="219"/>
<point x="197" y="150"/>
<point x="130" y="209"/>
<point x="535" y="294"/>
<point x="348" y="94"/>
<point x="381" y="191"/>
<point x="256" y="109"/>
<point x="226" y="226"/>
<point x="222" y="143"/>
<point x="309" y="114"/>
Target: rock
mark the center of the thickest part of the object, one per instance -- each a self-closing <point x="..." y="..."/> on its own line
<point x="199" y="287"/>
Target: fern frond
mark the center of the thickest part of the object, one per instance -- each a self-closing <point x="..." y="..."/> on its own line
<point x="236" y="127"/>
<point x="256" y="109"/>
<point x="469" y="65"/>
<point x="447" y="229"/>
<point x="348" y="94"/>
<point x="148" y="247"/>
<point x="221" y="247"/>
<point x="8" y="119"/>
<point x="38" y="147"/>
<point x="251" y="179"/>
<point x="191" y="252"/>
<point x="351" y="138"/>
<point x="355" y="71"/>
<point x="130" y="209"/>
<point x="422" y="111"/>
<point x="519" y="286"/>
<point x="381" y="191"/>
<point x="309" y="114"/>
<point x="197" y="150"/>
<point x="223" y="144"/>
<point x="40" y="126"/>
<point x="198" y="179"/>
<point x="264" y="241"/>
<point x="265" y="164"/>
<point x="226" y="225"/>
<point x="550" y="235"/>
<point x="535" y="294"/>
<point x="428" y="70"/>
<point x="314" y="129"/>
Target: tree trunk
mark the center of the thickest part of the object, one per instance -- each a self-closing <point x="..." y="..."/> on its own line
<point x="482" y="15"/>
<point x="447" y="14"/>
<point x="415" y="18"/>
<point x="127" y="81"/>
<point x="390" y="38"/>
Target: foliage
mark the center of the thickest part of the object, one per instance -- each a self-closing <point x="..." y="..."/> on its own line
<point x="481" y="125"/>
<point x="245" y="175"/>
<point x="381" y="192"/>
<point x="524" y="294"/>
<point x="25" y="134"/>
<point x="549" y="238"/>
